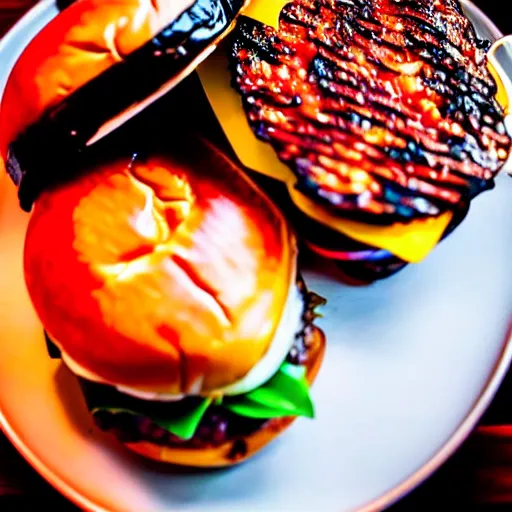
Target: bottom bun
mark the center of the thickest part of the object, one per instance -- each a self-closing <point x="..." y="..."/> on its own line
<point x="237" y="450"/>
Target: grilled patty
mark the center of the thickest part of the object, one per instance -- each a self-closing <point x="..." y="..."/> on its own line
<point x="384" y="109"/>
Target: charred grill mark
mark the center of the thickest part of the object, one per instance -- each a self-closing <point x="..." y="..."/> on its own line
<point x="390" y="94"/>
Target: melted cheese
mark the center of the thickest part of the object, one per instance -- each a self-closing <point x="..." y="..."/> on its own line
<point x="266" y="11"/>
<point x="502" y="94"/>
<point x="284" y="338"/>
<point x="227" y="105"/>
<point x="411" y="242"/>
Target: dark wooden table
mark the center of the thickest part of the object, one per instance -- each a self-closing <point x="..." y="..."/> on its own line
<point x="478" y="475"/>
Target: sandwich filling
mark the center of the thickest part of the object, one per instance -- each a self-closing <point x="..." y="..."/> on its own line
<point x="235" y="411"/>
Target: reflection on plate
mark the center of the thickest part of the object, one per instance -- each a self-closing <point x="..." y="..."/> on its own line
<point x="411" y="364"/>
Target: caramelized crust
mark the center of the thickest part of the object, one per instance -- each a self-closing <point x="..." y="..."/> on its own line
<point x="384" y="109"/>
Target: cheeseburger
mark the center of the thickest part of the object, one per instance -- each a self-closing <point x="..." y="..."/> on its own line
<point x="95" y="65"/>
<point x="169" y="284"/>
<point x="380" y="119"/>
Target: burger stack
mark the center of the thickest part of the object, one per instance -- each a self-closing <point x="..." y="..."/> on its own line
<point x="381" y="119"/>
<point x="165" y="273"/>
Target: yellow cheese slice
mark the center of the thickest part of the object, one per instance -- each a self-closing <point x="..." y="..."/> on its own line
<point x="411" y="242"/>
<point x="227" y="105"/>
<point x="266" y="11"/>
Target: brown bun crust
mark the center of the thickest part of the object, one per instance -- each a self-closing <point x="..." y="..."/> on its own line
<point x="168" y="274"/>
<point x="79" y="44"/>
<point x="233" y="452"/>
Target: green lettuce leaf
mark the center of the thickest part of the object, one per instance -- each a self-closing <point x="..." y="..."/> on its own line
<point x="246" y="407"/>
<point x="285" y="394"/>
<point x="183" y="425"/>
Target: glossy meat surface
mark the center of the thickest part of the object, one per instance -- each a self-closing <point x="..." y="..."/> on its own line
<point x="384" y="109"/>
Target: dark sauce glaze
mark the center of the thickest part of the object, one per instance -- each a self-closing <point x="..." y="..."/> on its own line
<point x="52" y="147"/>
<point x="384" y="109"/>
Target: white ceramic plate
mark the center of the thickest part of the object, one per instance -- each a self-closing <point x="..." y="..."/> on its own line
<point x="411" y="364"/>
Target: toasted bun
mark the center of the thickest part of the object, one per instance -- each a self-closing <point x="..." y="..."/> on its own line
<point x="80" y="43"/>
<point x="165" y="275"/>
<point x="233" y="452"/>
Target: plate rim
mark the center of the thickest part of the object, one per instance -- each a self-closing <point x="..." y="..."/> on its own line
<point x="482" y="402"/>
<point x="391" y="497"/>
